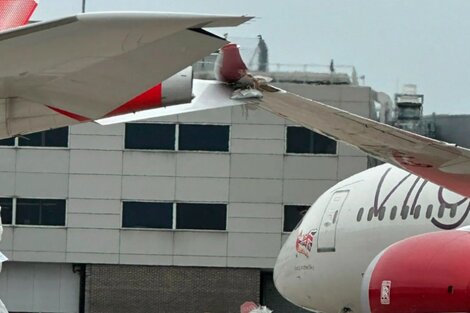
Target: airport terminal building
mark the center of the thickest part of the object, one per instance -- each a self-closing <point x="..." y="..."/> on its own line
<point x="177" y="214"/>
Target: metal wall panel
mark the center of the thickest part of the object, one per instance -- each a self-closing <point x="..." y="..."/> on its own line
<point x="39" y="287"/>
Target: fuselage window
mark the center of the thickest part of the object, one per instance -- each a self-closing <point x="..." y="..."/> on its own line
<point x="417" y="211"/>
<point x="370" y="214"/>
<point x="440" y="213"/>
<point x="359" y="214"/>
<point x="393" y="212"/>
<point x="453" y="210"/>
<point x="404" y="212"/>
<point x="429" y="211"/>
<point x="381" y="213"/>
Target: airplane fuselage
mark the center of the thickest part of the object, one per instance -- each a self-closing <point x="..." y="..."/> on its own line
<point x="322" y="263"/>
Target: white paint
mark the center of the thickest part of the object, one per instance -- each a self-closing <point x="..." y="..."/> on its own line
<point x="336" y="279"/>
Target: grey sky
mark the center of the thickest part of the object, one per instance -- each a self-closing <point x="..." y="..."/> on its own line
<point x="401" y="41"/>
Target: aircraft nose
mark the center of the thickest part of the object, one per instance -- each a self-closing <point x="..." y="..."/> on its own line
<point x="284" y="275"/>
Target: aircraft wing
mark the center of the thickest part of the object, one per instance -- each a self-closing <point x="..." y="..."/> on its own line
<point x="439" y="162"/>
<point x="87" y="65"/>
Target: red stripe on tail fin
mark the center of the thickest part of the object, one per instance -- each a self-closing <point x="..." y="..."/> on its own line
<point x="70" y="114"/>
<point x="14" y="13"/>
<point x="150" y="99"/>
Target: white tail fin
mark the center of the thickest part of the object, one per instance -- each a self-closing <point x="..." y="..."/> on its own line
<point x="14" y="13"/>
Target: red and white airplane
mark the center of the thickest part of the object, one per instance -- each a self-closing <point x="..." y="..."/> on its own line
<point x="98" y="65"/>
<point x="356" y="250"/>
<point x="394" y="238"/>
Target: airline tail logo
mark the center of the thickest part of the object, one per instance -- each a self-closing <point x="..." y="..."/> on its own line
<point x="14" y="13"/>
<point x="304" y="243"/>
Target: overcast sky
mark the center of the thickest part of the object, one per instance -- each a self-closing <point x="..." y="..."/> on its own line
<point x="391" y="42"/>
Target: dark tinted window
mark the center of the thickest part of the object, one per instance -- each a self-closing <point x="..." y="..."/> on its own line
<point x="303" y="140"/>
<point x="203" y="137"/>
<point x="359" y="214"/>
<point x="6" y="204"/>
<point x="147" y="215"/>
<point x="416" y="212"/>
<point x="150" y="136"/>
<point x="293" y="214"/>
<point x="404" y="211"/>
<point x="370" y="214"/>
<point x="48" y="212"/>
<point x="381" y="213"/>
<point x="429" y="211"/>
<point x="393" y="212"/>
<point x="7" y="142"/>
<point x="201" y="216"/>
<point x="58" y="137"/>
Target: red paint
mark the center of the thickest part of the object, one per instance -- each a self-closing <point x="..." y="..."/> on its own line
<point x="70" y="114"/>
<point x="14" y="13"/>
<point x="248" y="306"/>
<point x="459" y="183"/>
<point x="427" y="273"/>
<point x="150" y="99"/>
<point x="230" y="67"/>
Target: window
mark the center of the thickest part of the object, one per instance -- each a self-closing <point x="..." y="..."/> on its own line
<point x="6" y="205"/>
<point x="293" y="214"/>
<point x="48" y="212"/>
<point x="370" y="214"/>
<point x="147" y="214"/>
<point x="203" y="137"/>
<point x="201" y="216"/>
<point x="381" y="213"/>
<point x="404" y="212"/>
<point x="303" y="140"/>
<point x="150" y="136"/>
<point x="58" y="137"/>
<point x="393" y="213"/>
<point x="7" y="142"/>
<point x="416" y="212"/>
<point x="359" y="214"/>
<point x="429" y="211"/>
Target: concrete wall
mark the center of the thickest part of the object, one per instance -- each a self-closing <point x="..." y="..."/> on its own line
<point x="39" y="287"/>
<point x="452" y="128"/>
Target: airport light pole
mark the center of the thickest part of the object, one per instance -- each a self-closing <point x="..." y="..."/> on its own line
<point x="83" y="6"/>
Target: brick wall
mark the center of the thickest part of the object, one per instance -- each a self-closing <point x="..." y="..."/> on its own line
<point x="135" y="289"/>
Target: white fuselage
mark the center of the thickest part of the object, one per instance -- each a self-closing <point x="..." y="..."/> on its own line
<point x="321" y="264"/>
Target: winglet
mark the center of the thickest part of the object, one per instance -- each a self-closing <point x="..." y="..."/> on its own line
<point x="14" y="13"/>
<point x="229" y="66"/>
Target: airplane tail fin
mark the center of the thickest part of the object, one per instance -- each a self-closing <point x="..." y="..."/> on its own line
<point x="14" y="13"/>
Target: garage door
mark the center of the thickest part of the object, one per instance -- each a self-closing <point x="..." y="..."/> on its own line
<point x="39" y="287"/>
